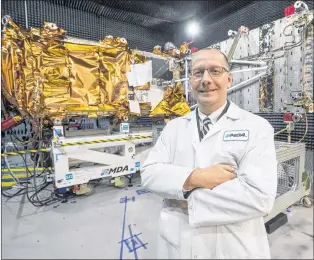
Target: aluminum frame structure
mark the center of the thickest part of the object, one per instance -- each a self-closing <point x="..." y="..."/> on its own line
<point x="283" y="52"/>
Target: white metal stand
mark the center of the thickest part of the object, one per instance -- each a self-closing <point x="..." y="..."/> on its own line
<point x="96" y="153"/>
<point x="292" y="156"/>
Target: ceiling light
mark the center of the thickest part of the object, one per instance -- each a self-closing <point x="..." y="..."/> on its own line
<point x="193" y="28"/>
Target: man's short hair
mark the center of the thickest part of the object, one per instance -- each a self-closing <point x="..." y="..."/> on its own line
<point x="224" y="55"/>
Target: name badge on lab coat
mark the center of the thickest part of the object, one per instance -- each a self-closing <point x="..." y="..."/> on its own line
<point x="236" y="135"/>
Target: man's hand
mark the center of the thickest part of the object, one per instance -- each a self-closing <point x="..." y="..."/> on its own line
<point x="210" y="177"/>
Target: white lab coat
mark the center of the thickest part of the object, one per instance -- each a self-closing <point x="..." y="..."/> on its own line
<point x="227" y="221"/>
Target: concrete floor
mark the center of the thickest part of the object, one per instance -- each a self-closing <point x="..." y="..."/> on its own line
<point x="92" y="228"/>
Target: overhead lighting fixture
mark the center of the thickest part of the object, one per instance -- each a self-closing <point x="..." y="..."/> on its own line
<point x="193" y="28"/>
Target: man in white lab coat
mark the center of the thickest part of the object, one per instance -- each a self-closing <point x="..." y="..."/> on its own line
<point x="216" y="169"/>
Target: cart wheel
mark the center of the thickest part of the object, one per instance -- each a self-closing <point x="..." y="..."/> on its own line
<point x="306" y="201"/>
<point x="90" y="188"/>
<point x="122" y="182"/>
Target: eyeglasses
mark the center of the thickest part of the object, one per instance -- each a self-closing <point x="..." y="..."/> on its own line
<point x="198" y="74"/>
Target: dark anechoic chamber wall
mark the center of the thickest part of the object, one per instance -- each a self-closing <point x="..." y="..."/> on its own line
<point x="215" y="26"/>
<point x="276" y="120"/>
<point x="82" y="24"/>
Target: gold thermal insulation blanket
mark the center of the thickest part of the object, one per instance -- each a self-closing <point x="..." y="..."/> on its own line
<point x="173" y="102"/>
<point x="46" y="75"/>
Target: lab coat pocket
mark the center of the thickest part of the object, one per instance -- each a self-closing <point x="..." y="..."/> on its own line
<point x="169" y="227"/>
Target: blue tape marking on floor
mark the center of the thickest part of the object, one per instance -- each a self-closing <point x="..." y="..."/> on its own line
<point x="128" y="245"/>
<point x="123" y="200"/>
<point x="133" y="242"/>
<point x="123" y="225"/>
<point x="143" y="191"/>
<point x="127" y="242"/>
<point x="140" y="241"/>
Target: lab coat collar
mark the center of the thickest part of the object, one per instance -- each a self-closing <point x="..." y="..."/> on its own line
<point x="234" y="112"/>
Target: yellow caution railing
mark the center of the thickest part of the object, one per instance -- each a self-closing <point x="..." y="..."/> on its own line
<point x="78" y="143"/>
<point x="107" y="140"/>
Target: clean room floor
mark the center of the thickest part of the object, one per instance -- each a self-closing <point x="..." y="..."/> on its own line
<point x="92" y="227"/>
